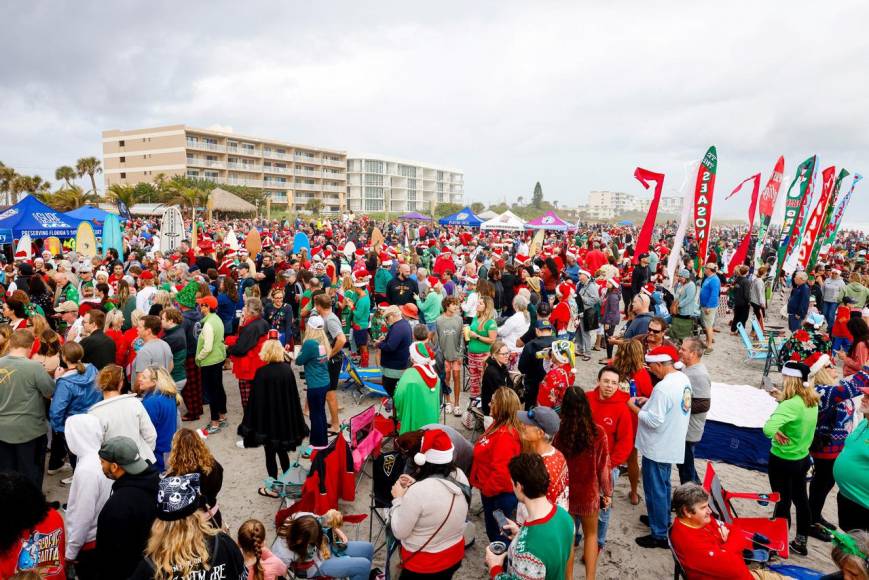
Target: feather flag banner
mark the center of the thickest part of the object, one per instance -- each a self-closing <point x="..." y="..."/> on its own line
<point x="828" y="217"/>
<point x="837" y="217"/>
<point x="794" y="201"/>
<point x="742" y="250"/>
<point x="813" y="223"/>
<point x="768" y="197"/>
<point x="687" y="194"/>
<point x="704" y="187"/>
<point x="644" y="176"/>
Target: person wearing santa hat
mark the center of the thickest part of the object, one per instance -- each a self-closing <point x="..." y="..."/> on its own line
<point x="418" y="392"/>
<point x="361" y="318"/>
<point x="382" y="277"/>
<point x="589" y="321"/>
<point x="565" y="313"/>
<point x="835" y="420"/>
<point x="429" y="510"/>
<point x="661" y="433"/>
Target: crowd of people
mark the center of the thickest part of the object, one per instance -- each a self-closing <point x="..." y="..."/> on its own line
<point x="109" y="362"/>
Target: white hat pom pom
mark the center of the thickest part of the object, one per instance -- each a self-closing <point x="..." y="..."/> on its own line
<point x="419" y="459"/>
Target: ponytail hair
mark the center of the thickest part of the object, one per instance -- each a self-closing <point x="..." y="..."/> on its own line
<point x="251" y="536"/>
<point x="72" y="353"/>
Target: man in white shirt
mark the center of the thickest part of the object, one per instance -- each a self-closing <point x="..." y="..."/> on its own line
<point x="661" y="433"/>
<point x="145" y="295"/>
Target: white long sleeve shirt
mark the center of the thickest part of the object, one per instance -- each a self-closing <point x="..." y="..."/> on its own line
<point x="663" y="420"/>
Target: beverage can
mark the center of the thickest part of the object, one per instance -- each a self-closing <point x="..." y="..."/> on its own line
<point x="497" y="548"/>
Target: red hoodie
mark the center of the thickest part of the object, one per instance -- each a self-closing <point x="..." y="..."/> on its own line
<point x="616" y="419"/>
<point x="492" y="452"/>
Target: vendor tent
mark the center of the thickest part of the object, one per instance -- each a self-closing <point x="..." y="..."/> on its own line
<point x="487" y="215"/>
<point x="506" y="221"/>
<point x="465" y="217"/>
<point x="31" y="216"/>
<point x="415" y="215"/>
<point x="90" y="213"/>
<point x="549" y="221"/>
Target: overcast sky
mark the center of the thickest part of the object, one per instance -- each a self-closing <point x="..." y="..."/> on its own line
<point x="572" y="94"/>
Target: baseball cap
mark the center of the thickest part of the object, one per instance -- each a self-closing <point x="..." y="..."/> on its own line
<point x="209" y="301"/>
<point x="543" y="325"/>
<point x="67" y="306"/>
<point x="123" y="451"/>
<point x="544" y="417"/>
<point x="315" y="322"/>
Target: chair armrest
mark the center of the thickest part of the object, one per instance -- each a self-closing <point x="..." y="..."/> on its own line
<point x="772" y="497"/>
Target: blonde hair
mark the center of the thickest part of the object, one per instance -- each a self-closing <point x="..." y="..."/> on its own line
<point x="114" y="317"/>
<point x="135" y="316"/>
<point x="251" y="536"/>
<point x="178" y="546"/>
<point x="825" y="376"/>
<point x="319" y="335"/>
<point x="488" y="312"/>
<point x="794" y="386"/>
<point x="504" y="406"/>
<point x="162" y="298"/>
<point x="39" y="324"/>
<point x="189" y="454"/>
<point x="272" y="351"/>
<point x="165" y="383"/>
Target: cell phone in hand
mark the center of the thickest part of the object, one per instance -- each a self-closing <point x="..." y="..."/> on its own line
<point x="500" y="518"/>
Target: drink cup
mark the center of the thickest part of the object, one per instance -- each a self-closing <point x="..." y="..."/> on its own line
<point x="497" y="548"/>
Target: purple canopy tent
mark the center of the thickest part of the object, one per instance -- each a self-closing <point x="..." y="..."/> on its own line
<point x="549" y="221"/>
<point x="414" y="215"/>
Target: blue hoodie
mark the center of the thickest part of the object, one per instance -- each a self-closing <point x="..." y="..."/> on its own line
<point x="74" y="394"/>
<point x="163" y="411"/>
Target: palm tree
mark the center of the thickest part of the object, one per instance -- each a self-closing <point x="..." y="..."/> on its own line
<point x="70" y="198"/>
<point x="89" y="166"/>
<point x="31" y="184"/>
<point x="7" y="175"/>
<point x="128" y="194"/>
<point x="186" y="197"/>
<point x="65" y="173"/>
<point x="519" y="200"/>
<point x="314" y="205"/>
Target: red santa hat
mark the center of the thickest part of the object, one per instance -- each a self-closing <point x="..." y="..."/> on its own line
<point x="614" y="281"/>
<point x="648" y="289"/>
<point x="385" y="259"/>
<point x="662" y="354"/>
<point x="361" y="277"/>
<point x="817" y="361"/>
<point x="521" y="259"/>
<point x="565" y="290"/>
<point x="436" y="448"/>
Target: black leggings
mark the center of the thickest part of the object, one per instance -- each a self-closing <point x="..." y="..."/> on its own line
<point x="822" y="484"/>
<point x="852" y="516"/>
<point x="608" y="331"/>
<point x="212" y="380"/>
<point x="788" y="478"/>
<point x="271" y="464"/>
<point x="740" y="314"/>
<point x="389" y="385"/>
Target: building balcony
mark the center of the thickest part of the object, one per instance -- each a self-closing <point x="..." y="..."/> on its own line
<point x="335" y="176"/>
<point x="245" y="167"/>
<point x="243" y="151"/>
<point x="334" y="162"/>
<point x="306" y="158"/>
<point x="191" y="144"/>
<point x="276" y="169"/>
<point x="239" y="181"/>
<point x="308" y="186"/>
<point x="199" y="162"/>
<point x="332" y="188"/>
<point x="275" y="155"/>
<point x="307" y="172"/>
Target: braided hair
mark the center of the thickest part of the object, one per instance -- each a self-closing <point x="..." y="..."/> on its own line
<point x="251" y="536"/>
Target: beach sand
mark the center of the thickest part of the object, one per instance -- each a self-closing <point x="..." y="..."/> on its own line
<point x="245" y="471"/>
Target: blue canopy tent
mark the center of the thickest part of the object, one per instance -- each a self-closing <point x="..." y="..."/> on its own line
<point x="91" y="214"/>
<point x="31" y="216"/>
<point x="466" y="218"/>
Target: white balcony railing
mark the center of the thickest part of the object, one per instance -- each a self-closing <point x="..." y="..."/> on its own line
<point x="307" y="186"/>
<point x="306" y="158"/>
<point x="204" y="145"/>
<point x="332" y="188"/>
<point x="245" y="167"/>
<point x="276" y="169"/>
<point x="334" y="162"/>
<point x="238" y="181"/>
<point x="275" y="155"/>
<point x="244" y="151"/>
<point x="307" y="172"/>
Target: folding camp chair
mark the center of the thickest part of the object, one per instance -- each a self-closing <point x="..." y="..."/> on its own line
<point x="774" y="529"/>
<point x="363" y="387"/>
<point x="385" y="472"/>
<point x="752" y="352"/>
<point x="758" y="556"/>
<point x="373" y="374"/>
<point x="288" y="485"/>
<point x="365" y="439"/>
<point x="762" y="338"/>
<point x="774" y="357"/>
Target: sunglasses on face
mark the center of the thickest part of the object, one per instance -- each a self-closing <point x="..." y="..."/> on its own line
<point x="656" y="330"/>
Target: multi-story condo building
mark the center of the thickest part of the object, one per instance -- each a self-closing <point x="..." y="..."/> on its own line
<point x="376" y="183"/>
<point x="289" y="174"/>
<point x="611" y="204"/>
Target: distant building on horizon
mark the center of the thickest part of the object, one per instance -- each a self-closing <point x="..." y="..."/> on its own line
<point x="604" y="205"/>
<point x="290" y="174"/>
<point x="375" y="182"/>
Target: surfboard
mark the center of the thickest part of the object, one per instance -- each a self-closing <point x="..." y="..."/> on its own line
<point x="52" y="244"/>
<point x="85" y="241"/>
<point x="171" y="230"/>
<point x="253" y="242"/>
<point x="349" y="250"/>
<point x="24" y="250"/>
<point x="536" y="243"/>
<point x="230" y="240"/>
<point x="112" y="236"/>
<point x="300" y="242"/>
<point x="377" y="239"/>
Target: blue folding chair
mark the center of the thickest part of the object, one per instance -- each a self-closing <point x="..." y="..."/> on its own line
<point x="752" y="351"/>
<point x="368" y="373"/>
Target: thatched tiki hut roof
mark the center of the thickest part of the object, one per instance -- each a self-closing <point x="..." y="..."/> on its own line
<point x="222" y="201"/>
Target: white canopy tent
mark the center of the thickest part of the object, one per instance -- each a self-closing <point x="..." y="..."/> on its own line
<point x="507" y="221"/>
<point x="487" y="215"/>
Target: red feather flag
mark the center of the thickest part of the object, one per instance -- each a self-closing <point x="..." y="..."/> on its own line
<point x="742" y="251"/>
<point x="644" y="176"/>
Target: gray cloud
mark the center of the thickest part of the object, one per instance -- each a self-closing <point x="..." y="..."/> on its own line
<point x="574" y="95"/>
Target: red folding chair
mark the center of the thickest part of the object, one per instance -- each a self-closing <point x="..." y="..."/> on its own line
<point x="775" y="529"/>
